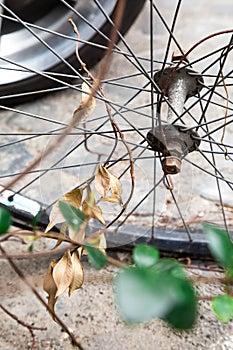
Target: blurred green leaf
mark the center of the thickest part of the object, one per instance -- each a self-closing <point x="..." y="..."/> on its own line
<point x="145" y="293"/>
<point x="145" y="256"/>
<point x="229" y="272"/>
<point x="31" y="248"/>
<point x="139" y="295"/>
<point x="96" y="258"/>
<point x="5" y="220"/>
<point x="223" y="307"/>
<point x="36" y="220"/>
<point x="172" y="267"/>
<point x="73" y="216"/>
<point x="220" y="245"/>
<point x="184" y="311"/>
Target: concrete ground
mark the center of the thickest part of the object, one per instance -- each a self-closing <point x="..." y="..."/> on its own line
<point x="91" y="313"/>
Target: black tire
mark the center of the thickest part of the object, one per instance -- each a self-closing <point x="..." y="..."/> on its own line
<point x="14" y="92"/>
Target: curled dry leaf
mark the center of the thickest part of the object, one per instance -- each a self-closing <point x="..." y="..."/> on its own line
<point x="78" y="275"/>
<point x="86" y="105"/>
<point x="114" y="198"/>
<point x="102" y="180"/>
<point x="105" y="181"/>
<point x="66" y="273"/>
<point x="63" y="273"/>
<point x="90" y="208"/>
<point x="73" y="197"/>
<point x="50" y="287"/>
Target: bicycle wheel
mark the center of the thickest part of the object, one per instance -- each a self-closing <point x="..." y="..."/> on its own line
<point x="176" y="117"/>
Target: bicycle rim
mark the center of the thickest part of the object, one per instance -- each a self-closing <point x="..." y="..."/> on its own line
<point x="169" y="208"/>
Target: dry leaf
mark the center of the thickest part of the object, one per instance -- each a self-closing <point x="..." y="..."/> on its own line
<point x="102" y="181"/>
<point x="78" y="275"/>
<point x="97" y="214"/>
<point x="105" y="181"/>
<point x="99" y="242"/>
<point x="114" y="198"/>
<point x="80" y="251"/>
<point x="55" y="217"/>
<point x="50" y="287"/>
<point x="90" y="209"/>
<point x="73" y="197"/>
<point x="63" y="273"/>
<point x="102" y="242"/>
<point x="86" y="106"/>
<point x="93" y="211"/>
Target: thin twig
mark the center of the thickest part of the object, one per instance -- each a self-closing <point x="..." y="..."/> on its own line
<point x="97" y="87"/>
<point x="116" y="262"/>
<point x="37" y="254"/>
<point x="24" y="324"/>
<point x="74" y="340"/>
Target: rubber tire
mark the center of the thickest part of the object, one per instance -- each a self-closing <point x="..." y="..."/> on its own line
<point x="90" y="55"/>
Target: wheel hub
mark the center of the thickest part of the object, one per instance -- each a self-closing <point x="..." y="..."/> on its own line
<point x="171" y="140"/>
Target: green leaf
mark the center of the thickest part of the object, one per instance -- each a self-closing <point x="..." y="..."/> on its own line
<point x="220" y="245"/>
<point x="223" y="307"/>
<point x="184" y="311"/>
<point x="5" y="220"/>
<point x="36" y="220"/>
<point x="144" y="294"/>
<point x="137" y="297"/>
<point x="96" y="258"/>
<point x="145" y="256"/>
<point x="73" y="216"/>
<point x="31" y="248"/>
<point x="172" y="267"/>
<point x="229" y="272"/>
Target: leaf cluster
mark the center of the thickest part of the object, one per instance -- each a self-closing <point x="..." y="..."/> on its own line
<point x="155" y="288"/>
<point x="221" y="247"/>
<point x="151" y="287"/>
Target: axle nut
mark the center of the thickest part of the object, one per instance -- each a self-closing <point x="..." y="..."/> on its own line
<point x="171" y="165"/>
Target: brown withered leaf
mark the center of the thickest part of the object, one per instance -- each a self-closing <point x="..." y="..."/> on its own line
<point x="105" y="181"/>
<point x="114" y="198"/>
<point x="97" y="214"/>
<point x="86" y="106"/>
<point x="90" y="209"/>
<point x="50" y="287"/>
<point x="78" y="274"/>
<point x="63" y="273"/>
<point x="73" y="197"/>
<point x="102" y="180"/>
<point x="55" y="217"/>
